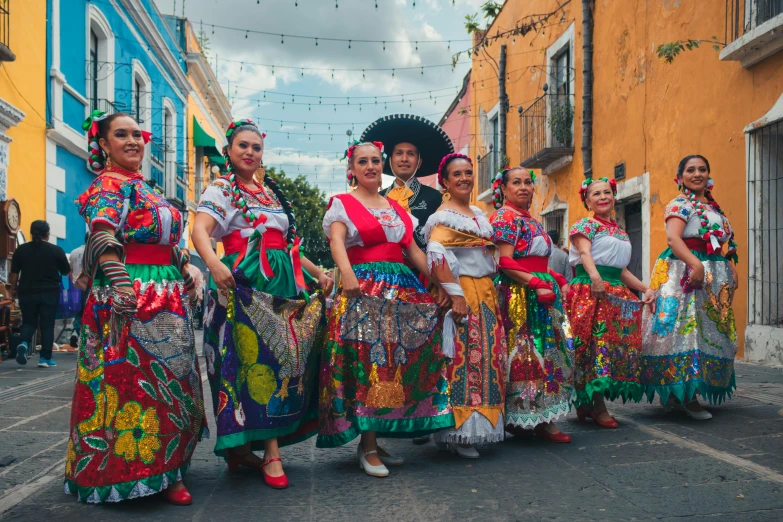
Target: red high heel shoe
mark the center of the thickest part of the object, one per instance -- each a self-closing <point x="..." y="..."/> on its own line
<point x="180" y="497"/>
<point x="553" y="437"/>
<point x="584" y="413"/>
<point x="280" y="482"/>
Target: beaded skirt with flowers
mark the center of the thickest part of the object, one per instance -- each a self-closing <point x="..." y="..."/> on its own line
<point x="477" y="369"/>
<point x="261" y="339"/>
<point x="690" y="343"/>
<point x="138" y="407"/>
<point x="608" y="331"/>
<point x="382" y="367"/>
<point x="539" y="385"/>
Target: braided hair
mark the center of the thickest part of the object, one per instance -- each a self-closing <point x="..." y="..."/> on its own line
<point x="732" y="245"/>
<point x="97" y="126"/>
<point x="232" y="131"/>
<point x="501" y="179"/>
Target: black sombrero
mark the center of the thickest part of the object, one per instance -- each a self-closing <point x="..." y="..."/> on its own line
<point x="433" y="143"/>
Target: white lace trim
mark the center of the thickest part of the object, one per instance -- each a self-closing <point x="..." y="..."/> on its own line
<point x="475" y="430"/>
<point x="479" y="226"/>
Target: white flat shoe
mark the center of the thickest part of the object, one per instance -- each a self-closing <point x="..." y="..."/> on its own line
<point x="698" y="415"/>
<point x="389" y="460"/>
<point x="373" y="471"/>
<point x="465" y="453"/>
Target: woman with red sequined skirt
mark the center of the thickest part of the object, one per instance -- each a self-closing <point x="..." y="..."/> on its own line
<point x="138" y="410"/>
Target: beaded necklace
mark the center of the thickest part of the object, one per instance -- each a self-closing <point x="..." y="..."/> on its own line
<point x="240" y="203"/>
<point x="706" y="231"/>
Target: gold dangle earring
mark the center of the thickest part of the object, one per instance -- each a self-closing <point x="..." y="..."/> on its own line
<point x="109" y="163"/>
<point x="446" y="196"/>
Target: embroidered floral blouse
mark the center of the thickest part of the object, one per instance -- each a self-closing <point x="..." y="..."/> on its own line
<point x="133" y="209"/>
<point x="216" y="202"/>
<point x="527" y="234"/>
<point x="610" y="243"/>
<point x="681" y="208"/>
<point x="392" y="224"/>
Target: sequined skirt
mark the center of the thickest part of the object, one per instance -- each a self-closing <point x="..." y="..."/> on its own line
<point x="476" y="375"/>
<point x="607" y="341"/>
<point x="262" y="351"/>
<point x="138" y="408"/>
<point x="382" y="367"/>
<point x="691" y="340"/>
<point x="540" y="362"/>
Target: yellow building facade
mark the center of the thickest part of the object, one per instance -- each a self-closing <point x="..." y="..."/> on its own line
<point x="208" y="117"/>
<point x="23" y="109"/>
<point x="725" y="104"/>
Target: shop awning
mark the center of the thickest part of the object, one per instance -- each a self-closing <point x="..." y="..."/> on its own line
<point x="201" y="138"/>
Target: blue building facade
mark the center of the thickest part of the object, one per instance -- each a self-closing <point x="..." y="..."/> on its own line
<point x="116" y="56"/>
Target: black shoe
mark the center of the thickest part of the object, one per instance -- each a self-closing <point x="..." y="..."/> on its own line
<point x="74" y="341"/>
<point x="21" y="353"/>
<point x="420" y="441"/>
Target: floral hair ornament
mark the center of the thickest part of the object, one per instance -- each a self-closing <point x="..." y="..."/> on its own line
<point x="355" y="144"/>
<point x="445" y="160"/>
<point x="589" y="181"/>
<point x="91" y="126"/>
<point x="497" y="193"/>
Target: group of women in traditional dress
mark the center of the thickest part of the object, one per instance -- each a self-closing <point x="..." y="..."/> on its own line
<point x="496" y="343"/>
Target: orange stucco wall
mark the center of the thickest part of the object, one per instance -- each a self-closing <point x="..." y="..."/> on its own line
<point x="646" y="114"/>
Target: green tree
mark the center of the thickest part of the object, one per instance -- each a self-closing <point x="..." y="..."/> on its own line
<point x="309" y="204"/>
<point x="203" y="42"/>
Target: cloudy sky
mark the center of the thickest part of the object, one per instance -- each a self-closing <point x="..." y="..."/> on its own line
<point x="307" y="133"/>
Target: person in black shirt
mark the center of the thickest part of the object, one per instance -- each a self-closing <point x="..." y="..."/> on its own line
<point x="38" y="288"/>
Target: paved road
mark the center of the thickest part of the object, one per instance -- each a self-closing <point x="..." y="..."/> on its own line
<point x="657" y="466"/>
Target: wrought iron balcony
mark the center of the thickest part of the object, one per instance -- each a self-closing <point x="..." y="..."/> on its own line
<point x="546" y="131"/>
<point x="113" y="107"/>
<point x="5" y="39"/>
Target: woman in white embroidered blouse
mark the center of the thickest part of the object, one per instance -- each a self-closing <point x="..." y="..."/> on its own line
<point x="460" y="255"/>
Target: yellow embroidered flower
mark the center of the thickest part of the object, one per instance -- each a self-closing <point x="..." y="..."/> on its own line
<point x="138" y="433"/>
<point x="660" y="274"/>
<point x="70" y="456"/>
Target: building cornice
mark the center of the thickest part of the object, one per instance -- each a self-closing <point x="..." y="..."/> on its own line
<point x="205" y="82"/>
<point x="150" y="31"/>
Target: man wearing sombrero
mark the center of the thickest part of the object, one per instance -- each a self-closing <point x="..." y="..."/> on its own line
<point x="415" y="145"/>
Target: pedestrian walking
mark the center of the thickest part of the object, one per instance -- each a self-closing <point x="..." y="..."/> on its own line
<point x="691" y="339"/>
<point x="138" y="409"/>
<point x="540" y="382"/>
<point x="606" y="317"/>
<point x="383" y="373"/>
<point x="558" y="260"/>
<point x="460" y="256"/>
<point x="261" y="326"/>
<point x="81" y="281"/>
<point x="36" y="273"/>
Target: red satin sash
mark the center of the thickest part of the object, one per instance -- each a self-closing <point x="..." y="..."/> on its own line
<point x="141" y="254"/>
<point x="525" y="264"/>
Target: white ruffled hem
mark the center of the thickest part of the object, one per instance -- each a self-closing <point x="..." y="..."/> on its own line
<point x="475" y="430"/>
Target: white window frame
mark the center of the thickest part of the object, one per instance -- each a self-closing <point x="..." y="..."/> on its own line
<point x="492" y="114"/>
<point x="170" y="177"/>
<point x="99" y="24"/>
<point x="564" y="43"/>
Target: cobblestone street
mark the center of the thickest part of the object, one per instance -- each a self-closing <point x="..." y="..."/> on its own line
<point x="656" y="466"/>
